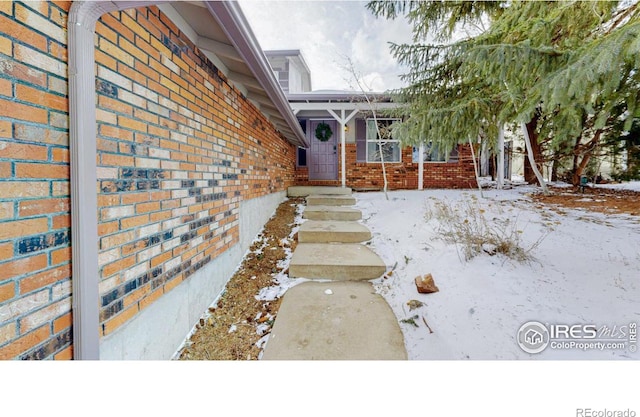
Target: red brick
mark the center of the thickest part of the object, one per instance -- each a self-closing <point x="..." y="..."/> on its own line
<point x="110" y="325"/>
<point x="6" y="7"/>
<point x="5" y="129"/>
<point x="60" y="155"/>
<point x="23" y="33"/>
<point x="29" y="208"/>
<point x="62" y="323"/>
<point x="22" y="266"/>
<point x="19" y="228"/>
<point x="5" y="169"/>
<point x="17" y="151"/>
<point x="41" y="171"/>
<point x="118" y="266"/>
<point x="45" y="278"/>
<point x="41" y="134"/>
<point x="7" y="291"/>
<point x="61" y="222"/>
<point x="65" y="354"/>
<point x="11" y="109"/>
<point x="6" y="252"/>
<point x="42" y="98"/>
<point x="24" y="343"/>
<point x="60" y="256"/>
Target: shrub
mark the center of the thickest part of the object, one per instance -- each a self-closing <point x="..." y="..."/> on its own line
<point x="465" y="225"/>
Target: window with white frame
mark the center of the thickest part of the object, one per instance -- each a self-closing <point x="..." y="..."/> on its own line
<point x="380" y="139"/>
<point x="433" y="154"/>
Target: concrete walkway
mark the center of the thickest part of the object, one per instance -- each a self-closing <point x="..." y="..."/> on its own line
<point x="340" y="317"/>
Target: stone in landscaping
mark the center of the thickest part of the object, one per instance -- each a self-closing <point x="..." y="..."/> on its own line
<point x="425" y="284"/>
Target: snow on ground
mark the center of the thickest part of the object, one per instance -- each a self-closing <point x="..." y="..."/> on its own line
<point x="586" y="271"/>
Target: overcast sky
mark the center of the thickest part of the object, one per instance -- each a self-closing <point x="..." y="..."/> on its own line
<point x="327" y="32"/>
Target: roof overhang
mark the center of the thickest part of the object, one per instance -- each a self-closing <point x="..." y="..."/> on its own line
<point x="220" y="30"/>
<point x="341" y="101"/>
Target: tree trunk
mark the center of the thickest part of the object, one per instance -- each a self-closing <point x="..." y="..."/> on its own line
<point x="586" y="157"/>
<point x="529" y="173"/>
<point x="532" y="160"/>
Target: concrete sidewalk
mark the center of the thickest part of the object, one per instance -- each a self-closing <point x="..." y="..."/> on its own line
<point x="342" y="317"/>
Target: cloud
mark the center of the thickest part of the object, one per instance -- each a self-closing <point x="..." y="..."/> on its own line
<point x="327" y="32"/>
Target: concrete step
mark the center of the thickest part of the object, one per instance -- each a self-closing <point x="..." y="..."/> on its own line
<point x="331" y="213"/>
<point x="305" y="190"/>
<point x="335" y="321"/>
<point x="330" y="200"/>
<point x="324" y="231"/>
<point x="336" y="261"/>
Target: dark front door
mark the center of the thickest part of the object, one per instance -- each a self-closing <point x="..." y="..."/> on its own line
<point x="323" y="156"/>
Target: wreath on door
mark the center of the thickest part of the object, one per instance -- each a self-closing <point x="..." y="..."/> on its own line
<point x="323" y="132"/>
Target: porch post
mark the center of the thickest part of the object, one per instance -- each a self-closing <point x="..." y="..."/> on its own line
<point x="500" y="173"/>
<point x="343" y="152"/>
<point x="421" y="166"/>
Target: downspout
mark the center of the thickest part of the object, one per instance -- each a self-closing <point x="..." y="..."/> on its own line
<point x="83" y="16"/>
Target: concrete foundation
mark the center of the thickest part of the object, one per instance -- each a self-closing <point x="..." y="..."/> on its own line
<point x="158" y="331"/>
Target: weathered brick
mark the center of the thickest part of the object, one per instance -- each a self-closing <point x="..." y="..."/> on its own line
<point x="65" y="354"/>
<point x="23" y="33"/>
<point x="39" y="60"/>
<point x="115" y="322"/>
<point x="6" y="130"/>
<point x="23" y="306"/>
<point x="42" y="171"/>
<point x="21" y="189"/>
<point x="40" y="134"/>
<point x="50" y="347"/>
<point x="45" y="315"/>
<point x="22" y="266"/>
<point x="117" y="53"/>
<point x="7" y="291"/>
<point x="118" y="266"/>
<point x="28" y="208"/>
<point x="20" y="111"/>
<point x="24" y="343"/>
<point x="5" y="171"/>
<point x="60" y="256"/>
<point x="43" y="25"/>
<point x="7" y="331"/>
<point x="25" y="227"/>
<point x="18" y="151"/>
<point x="45" y="279"/>
<point x="63" y="322"/>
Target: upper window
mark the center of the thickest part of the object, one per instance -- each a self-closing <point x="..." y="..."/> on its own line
<point x="380" y="142"/>
<point x="432" y="154"/>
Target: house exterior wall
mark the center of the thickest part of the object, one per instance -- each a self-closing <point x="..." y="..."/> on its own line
<point x="182" y="158"/>
<point x="402" y="175"/>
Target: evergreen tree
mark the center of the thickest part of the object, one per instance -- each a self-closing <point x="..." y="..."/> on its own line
<point x="567" y="71"/>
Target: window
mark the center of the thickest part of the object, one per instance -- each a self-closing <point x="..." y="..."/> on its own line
<point x="381" y="137"/>
<point x="432" y="154"/>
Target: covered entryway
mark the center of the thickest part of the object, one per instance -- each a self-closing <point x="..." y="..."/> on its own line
<point x="323" y="156"/>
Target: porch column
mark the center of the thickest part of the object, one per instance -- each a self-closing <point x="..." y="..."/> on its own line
<point x="343" y="152"/>
<point x="500" y="168"/>
<point x="421" y="166"/>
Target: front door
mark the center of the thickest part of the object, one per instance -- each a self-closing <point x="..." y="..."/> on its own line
<point x="323" y="156"/>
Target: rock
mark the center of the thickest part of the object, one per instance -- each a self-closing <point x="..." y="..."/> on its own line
<point x="425" y="284"/>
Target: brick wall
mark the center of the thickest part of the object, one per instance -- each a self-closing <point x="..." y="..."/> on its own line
<point x="178" y="149"/>
<point x="403" y="175"/>
<point x="35" y="269"/>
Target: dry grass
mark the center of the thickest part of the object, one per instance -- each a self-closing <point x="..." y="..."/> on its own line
<point x="230" y="330"/>
<point x="465" y="225"/>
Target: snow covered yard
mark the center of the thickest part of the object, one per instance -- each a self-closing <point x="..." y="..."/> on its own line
<point x="586" y="270"/>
